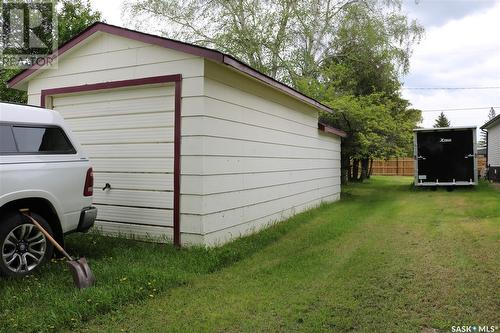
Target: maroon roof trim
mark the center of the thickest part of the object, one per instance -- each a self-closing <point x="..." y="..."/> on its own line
<point x="161" y="41"/>
<point x="228" y="60"/>
<point x="176" y="79"/>
<point x="328" y="129"/>
<point x="175" y="45"/>
<point x="62" y="49"/>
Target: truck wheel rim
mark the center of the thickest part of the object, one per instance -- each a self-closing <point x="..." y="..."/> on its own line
<point x="23" y="248"/>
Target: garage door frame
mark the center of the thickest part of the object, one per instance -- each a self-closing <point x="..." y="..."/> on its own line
<point x="177" y="80"/>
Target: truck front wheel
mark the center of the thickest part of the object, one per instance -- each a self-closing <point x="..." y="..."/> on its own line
<point x="23" y="247"/>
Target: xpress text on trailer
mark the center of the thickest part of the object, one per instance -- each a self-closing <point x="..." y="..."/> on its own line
<point x="445" y="156"/>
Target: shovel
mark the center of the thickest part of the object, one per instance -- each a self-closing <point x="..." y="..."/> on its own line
<point x="82" y="275"/>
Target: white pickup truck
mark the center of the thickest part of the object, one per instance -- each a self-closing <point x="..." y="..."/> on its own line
<point x="42" y="168"/>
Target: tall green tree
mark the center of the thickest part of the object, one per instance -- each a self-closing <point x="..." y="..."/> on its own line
<point x="484" y="138"/>
<point x="378" y="127"/>
<point x="370" y="52"/>
<point x="73" y="16"/>
<point x="367" y="64"/>
<point x="288" y="40"/>
<point x="350" y="54"/>
<point x="441" y="121"/>
<point x="492" y="113"/>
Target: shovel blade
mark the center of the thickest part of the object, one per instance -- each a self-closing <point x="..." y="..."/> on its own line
<point x="82" y="275"/>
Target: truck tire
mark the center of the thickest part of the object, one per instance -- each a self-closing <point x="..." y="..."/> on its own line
<point x="23" y="248"/>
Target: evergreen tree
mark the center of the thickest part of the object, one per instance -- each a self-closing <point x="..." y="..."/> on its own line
<point x="482" y="141"/>
<point x="492" y="114"/>
<point x="441" y="121"/>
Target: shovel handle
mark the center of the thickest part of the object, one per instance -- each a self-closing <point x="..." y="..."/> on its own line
<point x="46" y="234"/>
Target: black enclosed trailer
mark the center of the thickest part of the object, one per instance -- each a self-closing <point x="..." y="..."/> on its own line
<point x="445" y="156"/>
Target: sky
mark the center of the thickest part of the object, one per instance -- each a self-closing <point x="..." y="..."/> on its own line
<point x="460" y="49"/>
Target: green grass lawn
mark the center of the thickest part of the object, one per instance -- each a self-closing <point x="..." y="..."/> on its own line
<point x="386" y="258"/>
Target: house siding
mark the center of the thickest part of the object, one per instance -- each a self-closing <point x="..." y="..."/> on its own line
<point x="494" y="146"/>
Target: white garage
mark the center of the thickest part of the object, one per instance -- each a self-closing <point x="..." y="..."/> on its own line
<point x="187" y="143"/>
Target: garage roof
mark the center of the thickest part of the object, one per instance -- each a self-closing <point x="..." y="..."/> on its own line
<point x="175" y="45"/>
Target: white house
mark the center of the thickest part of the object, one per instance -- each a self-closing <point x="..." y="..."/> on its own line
<point x="493" y="147"/>
<point x="195" y="146"/>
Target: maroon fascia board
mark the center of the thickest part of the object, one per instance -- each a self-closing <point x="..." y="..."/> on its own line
<point x="177" y="80"/>
<point x="332" y="130"/>
<point x="62" y="49"/>
<point x="228" y="60"/>
<point x="175" y="45"/>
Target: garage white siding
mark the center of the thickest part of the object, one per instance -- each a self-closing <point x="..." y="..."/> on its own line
<point x="494" y="146"/>
<point x="137" y="165"/>
<point x="264" y="158"/>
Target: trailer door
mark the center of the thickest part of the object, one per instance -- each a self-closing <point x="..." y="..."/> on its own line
<point x="446" y="156"/>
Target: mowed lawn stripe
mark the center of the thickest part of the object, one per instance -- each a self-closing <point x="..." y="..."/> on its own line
<point x="299" y="256"/>
<point x="385" y="258"/>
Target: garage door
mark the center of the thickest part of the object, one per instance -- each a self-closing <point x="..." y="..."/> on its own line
<point x="128" y="135"/>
